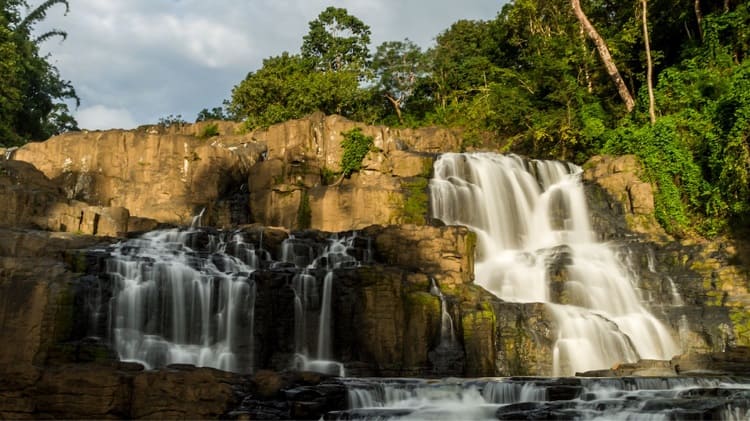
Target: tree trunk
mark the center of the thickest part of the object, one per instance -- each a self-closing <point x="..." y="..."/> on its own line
<point x="397" y="106"/>
<point x="649" y="65"/>
<point x="606" y="57"/>
<point x="699" y="17"/>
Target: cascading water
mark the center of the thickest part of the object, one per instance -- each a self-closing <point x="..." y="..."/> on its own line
<point x="530" y="216"/>
<point x="173" y="305"/>
<point x="309" y="297"/>
<point x="540" y="398"/>
<point x="188" y="296"/>
<point x="447" y="334"/>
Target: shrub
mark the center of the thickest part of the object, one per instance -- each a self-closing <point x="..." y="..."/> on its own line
<point x="356" y="146"/>
<point x="210" y="130"/>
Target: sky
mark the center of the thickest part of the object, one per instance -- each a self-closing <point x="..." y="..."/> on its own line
<point x="133" y="62"/>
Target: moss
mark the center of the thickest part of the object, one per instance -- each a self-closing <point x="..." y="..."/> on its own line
<point x="471" y="247"/>
<point x="415" y="204"/>
<point x="304" y="212"/>
<point x="472" y="321"/>
<point x="76" y="261"/>
<point x="423" y="302"/>
<point x="741" y="325"/>
<point x="427" y="167"/>
<point x="64" y="315"/>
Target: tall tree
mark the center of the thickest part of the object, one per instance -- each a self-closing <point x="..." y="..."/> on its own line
<point x="337" y="41"/>
<point x="604" y="54"/>
<point x="398" y="67"/>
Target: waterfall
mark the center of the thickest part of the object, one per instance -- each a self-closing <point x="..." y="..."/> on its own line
<point x="531" y="219"/>
<point x="172" y="305"/>
<point x="447" y="334"/>
<point x="313" y="301"/>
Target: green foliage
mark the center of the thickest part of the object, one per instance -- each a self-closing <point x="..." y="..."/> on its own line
<point x="327" y="176"/>
<point x="33" y="101"/>
<point x="172" y="120"/>
<point x="669" y="163"/>
<point x="337" y="41"/>
<point x="356" y="145"/>
<point x="215" y="113"/>
<point x="288" y="87"/>
<point x="399" y="67"/>
<point x="210" y="130"/>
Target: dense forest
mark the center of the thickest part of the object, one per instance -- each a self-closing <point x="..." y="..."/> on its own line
<point x="667" y="80"/>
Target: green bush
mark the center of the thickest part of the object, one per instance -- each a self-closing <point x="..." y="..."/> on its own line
<point x="356" y="146"/>
<point x="210" y="130"/>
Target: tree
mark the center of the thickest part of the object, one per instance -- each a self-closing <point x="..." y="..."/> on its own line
<point x="337" y="41"/>
<point x="460" y="61"/>
<point x="215" y="113"/>
<point x="649" y="64"/>
<point x="398" y="67"/>
<point x="605" y="55"/>
<point x="32" y="106"/>
<point x="288" y="86"/>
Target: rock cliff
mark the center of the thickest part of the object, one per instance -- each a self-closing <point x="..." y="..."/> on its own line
<point x="62" y="193"/>
<point x="280" y="174"/>
<point x="700" y="285"/>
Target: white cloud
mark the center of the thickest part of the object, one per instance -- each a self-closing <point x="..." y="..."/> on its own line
<point x="99" y="117"/>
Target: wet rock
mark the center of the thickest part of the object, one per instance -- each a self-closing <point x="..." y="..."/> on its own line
<point x="193" y="393"/>
<point x="734" y="361"/>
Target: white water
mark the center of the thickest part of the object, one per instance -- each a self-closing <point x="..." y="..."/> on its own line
<point x="527" y="214"/>
<point x="447" y="333"/>
<point x="313" y="302"/>
<point x="173" y="306"/>
<point x="582" y="398"/>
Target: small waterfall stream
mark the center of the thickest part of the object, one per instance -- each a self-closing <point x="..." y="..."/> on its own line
<point x="309" y="297"/>
<point x="532" y="222"/>
<point x="173" y="305"/>
<point x="447" y="332"/>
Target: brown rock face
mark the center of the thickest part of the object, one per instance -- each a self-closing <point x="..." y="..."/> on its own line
<point x="186" y="393"/>
<point x="168" y="178"/>
<point x="35" y="300"/>
<point x="27" y="194"/>
<point x="621" y="178"/>
<point x="296" y="186"/>
<point x="32" y="200"/>
<point x="445" y="253"/>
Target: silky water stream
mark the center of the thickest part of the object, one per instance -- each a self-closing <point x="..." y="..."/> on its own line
<point x="527" y="214"/>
